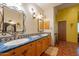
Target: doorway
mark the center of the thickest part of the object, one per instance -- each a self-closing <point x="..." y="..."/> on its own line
<point x="78" y="31"/>
<point x="62" y="30"/>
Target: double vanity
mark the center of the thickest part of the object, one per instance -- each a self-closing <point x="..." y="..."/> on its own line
<point x="30" y="46"/>
<point x="13" y="38"/>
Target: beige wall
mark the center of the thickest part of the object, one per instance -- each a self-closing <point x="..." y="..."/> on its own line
<point x="49" y="12"/>
<point x="31" y="25"/>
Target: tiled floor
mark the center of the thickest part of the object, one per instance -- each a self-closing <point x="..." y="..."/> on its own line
<point x="67" y="49"/>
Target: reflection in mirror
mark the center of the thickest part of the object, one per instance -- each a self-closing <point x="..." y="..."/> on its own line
<point x="1" y="21"/>
<point x="13" y="19"/>
<point x="11" y="22"/>
<point x="10" y="28"/>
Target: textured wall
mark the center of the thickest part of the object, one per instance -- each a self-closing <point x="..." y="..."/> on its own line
<point x="70" y="15"/>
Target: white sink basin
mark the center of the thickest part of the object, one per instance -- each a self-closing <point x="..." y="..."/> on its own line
<point x="44" y="34"/>
<point x="37" y="36"/>
<point x="17" y="42"/>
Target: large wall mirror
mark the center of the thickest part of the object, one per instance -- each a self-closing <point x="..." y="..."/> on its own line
<point x="11" y="20"/>
<point x="13" y="17"/>
<point x="1" y="21"/>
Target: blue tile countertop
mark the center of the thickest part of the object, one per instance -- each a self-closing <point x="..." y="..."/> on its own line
<point x="4" y="47"/>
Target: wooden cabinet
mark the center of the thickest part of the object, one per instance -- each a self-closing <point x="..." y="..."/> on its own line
<point x="35" y="48"/>
<point x="49" y="40"/>
<point x="46" y="42"/>
<point x="38" y="47"/>
<point x="31" y="50"/>
<point x="10" y="53"/>
<point x="21" y="51"/>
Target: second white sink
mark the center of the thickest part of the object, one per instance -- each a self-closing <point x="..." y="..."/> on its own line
<point x="17" y="42"/>
<point x="37" y="36"/>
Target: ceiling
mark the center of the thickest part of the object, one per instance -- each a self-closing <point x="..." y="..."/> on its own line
<point x="47" y="5"/>
<point x="56" y="5"/>
<point x="64" y="5"/>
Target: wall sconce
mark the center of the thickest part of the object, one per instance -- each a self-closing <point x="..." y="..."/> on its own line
<point x="71" y="24"/>
<point x="18" y="24"/>
<point x="33" y="13"/>
<point x="40" y="16"/>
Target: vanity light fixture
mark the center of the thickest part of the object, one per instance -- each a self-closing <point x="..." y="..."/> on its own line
<point x="18" y="23"/>
<point x="40" y="16"/>
<point x="33" y="13"/>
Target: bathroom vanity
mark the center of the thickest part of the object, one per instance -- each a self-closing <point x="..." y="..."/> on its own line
<point x="31" y="46"/>
<point x="12" y="44"/>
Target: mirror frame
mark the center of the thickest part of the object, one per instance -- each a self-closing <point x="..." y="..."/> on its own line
<point x="3" y="23"/>
<point x="39" y="30"/>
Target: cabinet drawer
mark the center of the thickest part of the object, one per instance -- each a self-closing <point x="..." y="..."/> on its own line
<point x="26" y="50"/>
<point x="22" y="50"/>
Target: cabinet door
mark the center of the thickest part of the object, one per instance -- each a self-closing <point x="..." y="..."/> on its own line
<point x="32" y="49"/>
<point x="49" y="40"/>
<point x="38" y="48"/>
<point x="26" y="50"/>
<point x="45" y="43"/>
<point x="21" y="51"/>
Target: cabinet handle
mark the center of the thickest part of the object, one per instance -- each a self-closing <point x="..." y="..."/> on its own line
<point x="14" y="53"/>
<point x="25" y="51"/>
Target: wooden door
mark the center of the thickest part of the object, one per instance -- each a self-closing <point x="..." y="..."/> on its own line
<point x="62" y="30"/>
